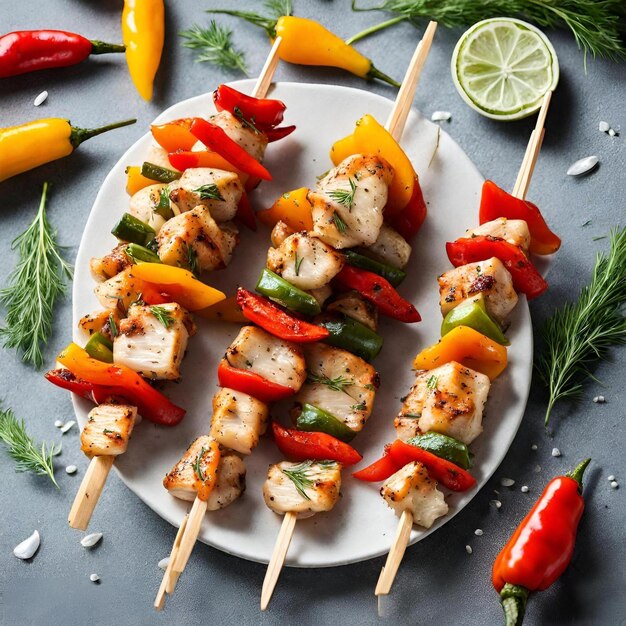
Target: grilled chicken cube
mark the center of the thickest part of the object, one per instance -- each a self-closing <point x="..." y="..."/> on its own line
<point x="119" y="291"/>
<point x="99" y="321"/>
<point x="391" y="248"/>
<point x="412" y="489"/>
<point x="111" y="264"/>
<point x="108" y="429"/>
<point x="238" y="420"/>
<point x="348" y="203"/>
<point x="231" y="481"/>
<point x="152" y="340"/>
<point x="449" y="400"/>
<point x="196" y="233"/>
<point x="513" y="231"/>
<point x="278" y="361"/>
<point x="217" y="190"/>
<point x="488" y="277"/>
<point x="353" y="304"/>
<point x="143" y="203"/>
<point x="252" y="142"/>
<point x="303" y="488"/>
<point x="321" y="294"/>
<point x="340" y="383"/>
<point x="159" y="156"/>
<point x="280" y="232"/>
<point x="305" y="261"/>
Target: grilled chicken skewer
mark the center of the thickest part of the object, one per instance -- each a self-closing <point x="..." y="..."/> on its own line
<point x="410" y="492"/>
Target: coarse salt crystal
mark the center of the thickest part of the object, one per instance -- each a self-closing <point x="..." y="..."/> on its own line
<point x="94" y="578"/>
<point x="478" y="532"/>
<point x="612" y="133"/>
<point x="163" y="563"/>
<point x="88" y="541"/>
<point x="67" y="426"/>
<point x="496" y="503"/>
<point x="71" y="469"/>
<point x="582" y="166"/>
<point x="468" y="549"/>
<point x="537" y="468"/>
<point x="58" y="423"/>
<point x="556" y="452"/>
<point x="603" y="127"/>
<point x="440" y="116"/>
<point x="534" y="446"/>
<point x="601" y="400"/>
<point x="507" y="482"/>
<point x="524" y="489"/>
<point x="614" y="484"/>
<point x="41" y="98"/>
<point x="611" y="477"/>
<point x="27" y="548"/>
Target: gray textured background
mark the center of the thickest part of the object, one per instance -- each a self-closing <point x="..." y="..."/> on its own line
<point x="438" y="583"/>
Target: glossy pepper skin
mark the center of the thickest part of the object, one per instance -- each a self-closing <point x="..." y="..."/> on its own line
<point x="394" y="275"/>
<point x="473" y="313"/>
<point x="542" y="546"/>
<point x="293" y="208"/>
<point x="410" y="219"/>
<point x="278" y="289"/>
<point x="174" y="135"/>
<point x="143" y="32"/>
<point x="31" y="50"/>
<point x="349" y="334"/>
<point x="30" y="145"/>
<point x="495" y="203"/>
<point x="254" y="385"/>
<point x="264" y="113"/>
<point x="314" y="419"/>
<point x="306" y="42"/>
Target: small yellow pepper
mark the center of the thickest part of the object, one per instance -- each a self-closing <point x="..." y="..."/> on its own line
<point x="468" y="347"/>
<point x="293" y="208"/>
<point x="143" y="32"/>
<point x="306" y="42"/>
<point x="135" y="181"/>
<point x="30" y="145"/>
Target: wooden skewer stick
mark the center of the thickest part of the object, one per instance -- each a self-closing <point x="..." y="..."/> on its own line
<point x="532" y="151"/>
<point x="267" y="73"/>
<point x="396" y="554"/>
<point x="277" y="561"/>
<point x="196" y="515"/>
<point x="395" y="126"/>
<point x="89" y="492"/>
<point x="165" y="583"/>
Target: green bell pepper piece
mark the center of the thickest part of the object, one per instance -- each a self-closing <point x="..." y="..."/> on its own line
<point x="133" y="230"/>
<point x="394" y="275"/>
<point x="314" y="419"/>
<point x="158" y="173"/>
<point x="100" y="347"/>
<point x="278" y="289"/>
<point x="444" y="447"/>
<point x="141" y="254"/>
<point x="473" y="313"/>
<point x="351" y="335"/>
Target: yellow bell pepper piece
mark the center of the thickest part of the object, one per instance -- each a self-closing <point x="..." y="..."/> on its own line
<point x="468" y="347"/>
<point x="143" y="32"/>
<point x="293" y="208"/>
<point x="306" y="42"/>
<point x="224" y="311"/>
<point x="180" y="284"/>
<point x="342" y="149"/>
<point x="135" y="181"/>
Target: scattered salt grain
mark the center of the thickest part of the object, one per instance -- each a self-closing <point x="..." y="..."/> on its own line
<point x="534" y="446"/>
<point x="89" y="541"/>
<point x="441" y="116"/>
<point x="71" y="469"/>
<point x="556" y="452"/>
<point x="611" y="477"/>
<point x="94" y="578"/>
<point x="163" y="563"/>
<point x="507" y="482"/>
<point x="612" y="133"/>
<point x="524" y="489"/>
<point x="27" y="548"/>
<point x="603" y="127"/>
<point x="67" y="426"/>
<point x="41" y="98"/>
<point x="537" y="468"/>
<point x="599" y="400"/>
<point x="478" y="532"/>
<point x="614" y="484"/>
<point x="468" y="549"/>
<point x="496" y="503"/>
<point x="582" y="166"/>
<point x="58" y="423"/>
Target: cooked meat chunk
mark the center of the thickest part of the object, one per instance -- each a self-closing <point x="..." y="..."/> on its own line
<point x="108" y="429"/>
<point x="353" y="304"/>
<point x="111" y="264"/>
<point x="143" y="203"/>
<point x="119" y="291"/>
<point x="231" y="481"/>
<point x="391" y="248"/>
<point x="252" y="142"/>
<point x="513" y="231"/>
<point x="280" y="232"/>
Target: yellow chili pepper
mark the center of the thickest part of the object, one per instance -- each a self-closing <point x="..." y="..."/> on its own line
<point x="468" y="347"/>
<point x="135" y="181"/>
<point x="306" y="42"/>
<point x="30" y="145"/>
<point x="293" y="208"/>
<point x="143" y="32"/>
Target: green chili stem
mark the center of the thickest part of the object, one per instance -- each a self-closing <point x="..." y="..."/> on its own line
<point x="102" y="47"/>
<point x="373" y="29"/>
<point x="78" y="135"/>
<point x="513" y="598"/>
<point x="374" y="72"/>
<point x="577" y="473"/>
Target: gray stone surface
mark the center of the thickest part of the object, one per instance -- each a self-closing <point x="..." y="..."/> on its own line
<point x="438" y="583"/>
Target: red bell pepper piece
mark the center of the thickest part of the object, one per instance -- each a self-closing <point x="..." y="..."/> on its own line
<point x="276" y="134"/>
<point x="245" y="214"/>
<point x="448" y="474"/>
<point x="526" y="278"/>
<point x="495" y="203"/>
<point x="378" y="290"/>
<point x="215" y="139"/>
<point x="64" y="379"/>
<point x="410" y="219"/>
<point x="379" y="470"/>
<point x="251" y="383"/>
<point x="275" y="320"/>
<point x="262" y="112"/>
<point x="302" y="445"/>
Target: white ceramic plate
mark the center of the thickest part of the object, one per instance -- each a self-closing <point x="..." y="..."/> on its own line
<point x="361" y="526"/>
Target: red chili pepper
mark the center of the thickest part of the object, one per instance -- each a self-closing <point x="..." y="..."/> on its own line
<point x="542" y="546"/>
<point x="276" y="134"/>
<point x="275" y="320"/>
<point x="251" y="383"/>
<point x="410" y="219"/>
<point x="526" y="278"/>
<point x="378" y="290"/>
<point x="262" y="112"/>
<point x="30" y="50"/>
<point x="301" y="445"/>
<point x="245" y="213"/>
<point x="214" y="138"/>
<point x="379" y="470"/>
<point x="495" y="203"/>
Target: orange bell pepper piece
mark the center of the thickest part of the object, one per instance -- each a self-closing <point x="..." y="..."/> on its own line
<point x="342" y="149"/>
<point x="180" y="284"/>
<point x="135" y="181"/>
<point x="224" y="311"/>
<point x="293" y="208"/>
<point x="468" y="347"/>
<point x="174" y="135"/>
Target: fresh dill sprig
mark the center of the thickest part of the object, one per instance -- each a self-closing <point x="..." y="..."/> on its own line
<point x="163" y="315"/>
<point x="113" y="326"/>
<point x="249" y="123"/>
<point x="339" y="383"/>
<point x="209" y="192"/>
<point x="22" y="448"/>
<point x="579" y="333"/>
<point x="298" y="262"/>
<point x="432" y="382"/>
<point x="214" y="45"/>
<point x="298" y="476"/>
<point x="340" y="225"/>
<point x="192" y="260"/>
<point x="197" y="467"/>
<point x="344" y="197"/>
<point x="33" y="288"/>
<point x="274" y="8"/>
<point x="597" y="25"/>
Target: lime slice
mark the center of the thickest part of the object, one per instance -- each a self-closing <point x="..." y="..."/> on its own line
<point x="502" y="67"/>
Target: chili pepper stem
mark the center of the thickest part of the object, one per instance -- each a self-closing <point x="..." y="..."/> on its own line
<point x="577" y="473"/>
<point x="78" y="135"/>
<point x="514" y="598"/>
<point x="376" y="73"/>
<point x="102" y="47"/>
<point x="374" y="29"/>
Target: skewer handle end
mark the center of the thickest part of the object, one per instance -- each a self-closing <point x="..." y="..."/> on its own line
<point x="89" y="491"/>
